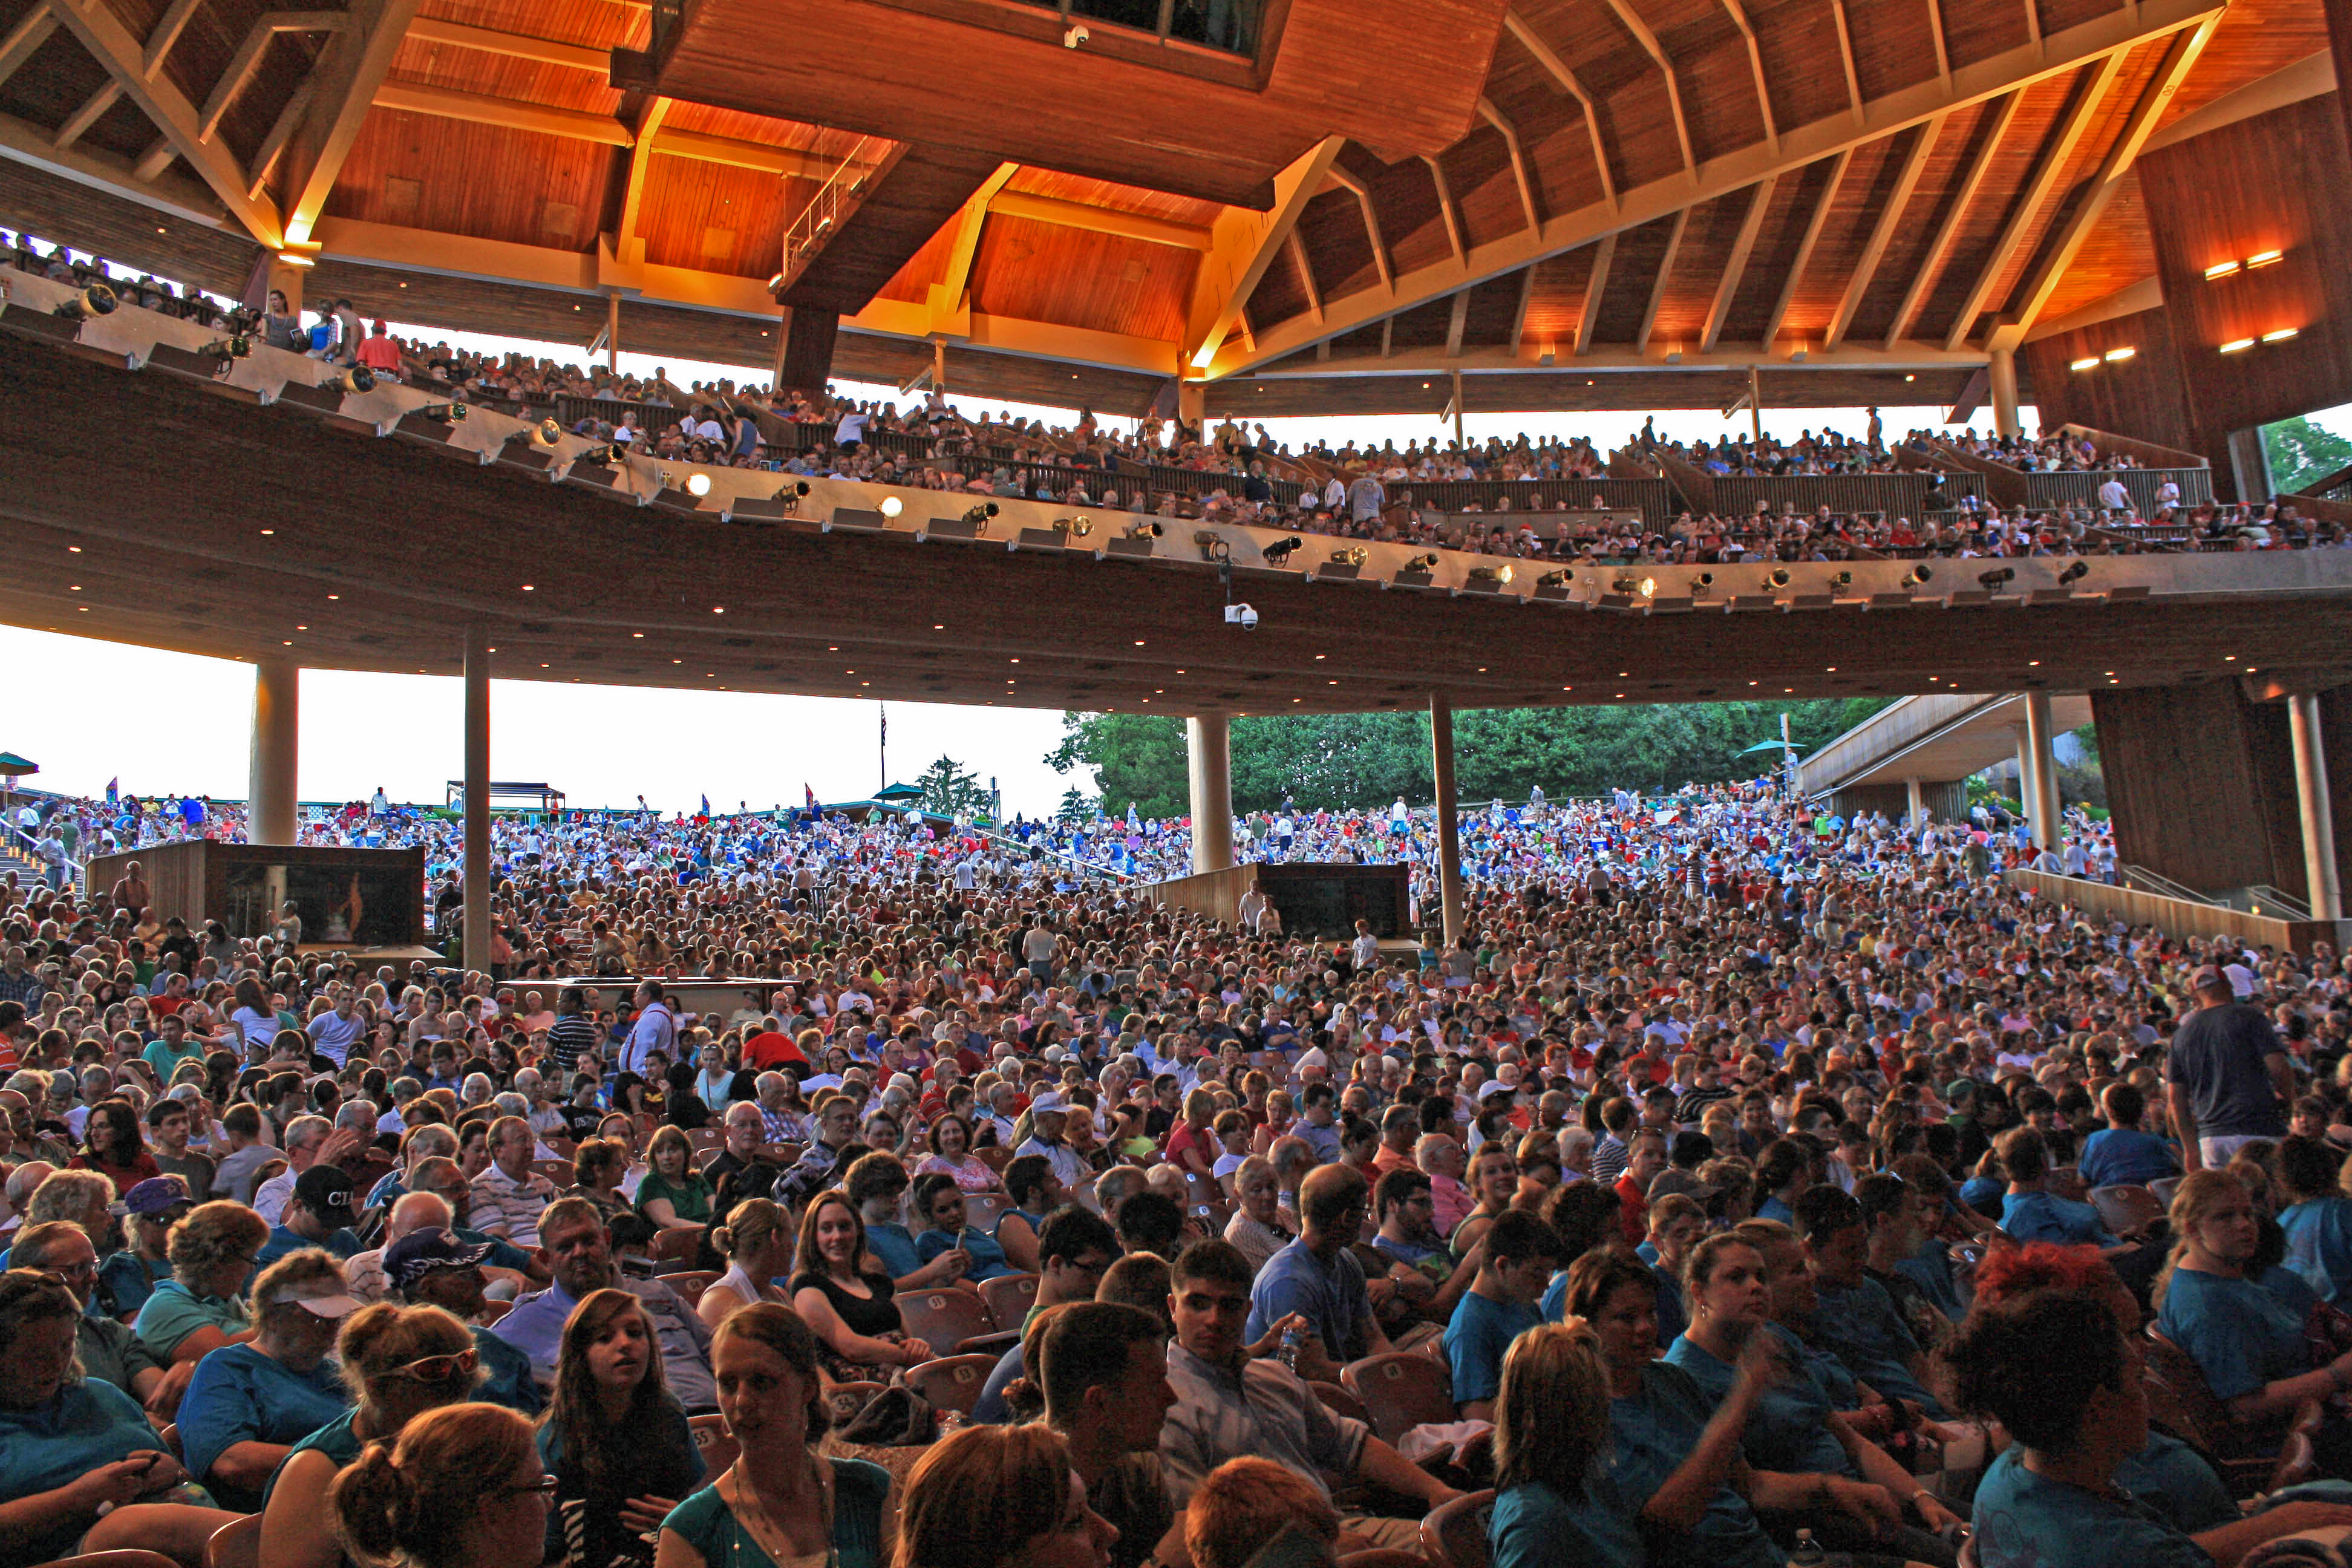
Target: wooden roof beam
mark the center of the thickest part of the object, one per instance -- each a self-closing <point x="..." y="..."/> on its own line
<point x="345" y="81"/>
<point x="166" y="33"/>
<point x="1812" y="237"/>
<point x="447" y="103"/>
<point x="83" y="117"/>
<point x="1519" y="312"/>
<point x="1242" y="244"/>
<point x="95" y="26"/>
<point x="1648" y="42"/>
<point x="1736" y="265"/>
<point x="782" y="162"/>
<point x="1658" y="286"/>
<point x="1363" y="195"/>
<point x="2179" y="59"/>
<point x="88" y="165"/>
<point x="1304" y="267"/>
<point x="1846" y="53"/>
<point x="1455" y="320"/>
<point x="1496" y="360"/>
<point x="515" y="45"/>
<point x="1566" y="79"/>
<point x="1102" y="220"/>
<point x="32" y="30"/>
<point x="1939" y="248"/>
<point x="1943" y="45"/>
<point x="627" y="247"/>
<point x="1519" y="174"/>
<point x="281" y="131"/>
<point x="247" y="58"/>
<point x="949" y="297"/>
<point x="1755" y="68"/>
<point x="2037" y="191"/>
<point x="1587" y="319"/>
<point x="1972" y="83"/>
<point x="1446" y="208"/>
<point x="1882" y="233"/>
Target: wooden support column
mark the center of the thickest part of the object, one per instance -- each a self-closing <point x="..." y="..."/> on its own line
<point x="613" y="333"/>
<point x="1208" y="756"/>
<point x="2003" y="374"/>
<point x="2314" y="807"/>
<point x="804" y="357"/>
<point x="276" y="733"/>
<point x="1449" y="830"/>
<point x="478" y="798"/>
<point x="2040" y="742"/>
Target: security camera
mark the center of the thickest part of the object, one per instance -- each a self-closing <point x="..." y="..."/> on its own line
<point x="1074" y="37"/>
<point x="1241" y="615"/>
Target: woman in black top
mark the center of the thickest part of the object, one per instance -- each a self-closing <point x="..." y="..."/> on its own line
<point x="845" y="1300"/>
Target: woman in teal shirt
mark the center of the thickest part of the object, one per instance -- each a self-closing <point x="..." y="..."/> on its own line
<point x="779" y="1504"/>
<point x="1556" y="1504"/>
<point x="938" y="1198"/>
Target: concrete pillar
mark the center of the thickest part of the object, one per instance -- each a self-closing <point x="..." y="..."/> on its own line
<point x="2320" y="877"/>
<point x="1208" y="756"/>
<point x="2025" y="793"/>
<point x="1916" y="812"/>
<point x="2003" y="374"/>
<point x="478" y="798"/>
<point x="1449" y="828"/>
<point x="2037" y="739"/>
<point x="277" y="729"/>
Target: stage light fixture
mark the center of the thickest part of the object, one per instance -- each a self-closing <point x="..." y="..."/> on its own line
<point x="1350" y="557"/>
<point x="1993" y="580"/>
<point x="1278" y="552"/>
<point x="1502" y="575"/>
<point x="1212" y="546"/>
<point x="1841" y="580"/>
<point x="236" y="345"/>
<point x="444" y="412"/>
<point x="547" y="433"/>
<point x="98" y="299"/>
<point x="2074" y="574"/>
<point x="356" y="379"/>
<point x="698" y="485"/>
<point x="1143" y="528"/>
<point x="1624" y="586"/>
<point x="1919" y="576"/>
<point x="1778" y="577"/>
<point x="892" y="506"/>
<point x="1558" y="579"/>
<point x="977" y="516"/>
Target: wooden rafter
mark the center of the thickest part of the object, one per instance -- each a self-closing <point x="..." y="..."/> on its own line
<point x="31" y="31"/>
<point x="1241" y="245"/>
<point x="1519" y="312"/>
<point x="1735" y="264"/>
<point x="247" y="58"/>
<point x="1974" y="83"/>
<point x="95" y="26"/>
<point x="1519" y="174"/>
<point x="281" y="131"/>
<point x="1943" y="46"/>
<point x="1456" y="318"/>
<point x="83" y="117"/>
<point x="350" y="70"/>
<point x="2028" y="209"/>
<point x="515" y="45"/>
<point x="1940" y="249"/>
<point x="1658" y="287"/>
<point x="165" y="32"/>
<point x="1446" y="208"/>
<point x="654" y="110"/>
<point x="1882" y="233"/>
<point x="1846" y="53"/>
<point x="1304" y="267"/>
<point x="1648" y="42"/>
<point x="481" y="108"/>
<point x="2179" y="59"/>
<point x="2034" y="22"/>
<point x="1557" y="69"/>
<point x="1079" y="215"/>
<point x="1795" y="272"/>
<point x="1755" y="68"/>
<point x="948" y="296"/>
<point x="1587" y="319"/>
<point x="1363" y="195"/>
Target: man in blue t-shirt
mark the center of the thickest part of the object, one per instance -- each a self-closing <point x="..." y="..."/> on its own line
<point x="2226" y="1077"/>
<point x="1521" y="1251"/>
<point x="2120" y="1155"/>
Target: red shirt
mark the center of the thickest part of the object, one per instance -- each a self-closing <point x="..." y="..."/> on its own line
<point x="1636" y="1209"/>
<point x="769" y="1048"/>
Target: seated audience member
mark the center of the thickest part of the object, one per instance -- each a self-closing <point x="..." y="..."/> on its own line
<point x="876" y="1183"/>
<point x="781" y="1503"/>
<point x="1557" y="1504"/>
<point x="429" y="1267"/>
<point x="2030" y="1211"/>
<point x="1104" y="1372"/>
<point x="509" y="1196"/>
<point x="318" y="1212"/>
<point x="1230" y="1401"/>
<point x="599" y="1167"/>
<point x="80" y="1469"/>
<point x="2055" y="1370"/>
<point x="2317" y="1219"/>
<point x="1149" y="1221"/>
<point x="398" y="1363"/>
<point x="938" y="1199"/>
<point x="1519" y="1255"/>
<point x="127" y="1278"/>
<point x="1243" y="1504"/>
<point x="1675" y="1221"/>
<point x="1078" y="1250"/>
<point x="1318" y="1276"/>
<point x="196" y="1310"/>
<point x="757" y="1242"/>
<point x="2121" y="1153"/>
<point x="1259" y="1225"/>
<point x="1036" y="1192"/>
<point x="1000" y="1497"/>
<point x="249" y="1405"/>
<point x="673" y="1194"/>
<point x="851" y="1312"/>
<point x="1853" y="1317"/>
<point x="109" y="1351"/>
<point x="462" y="1488"/>
<point x="112" y="1146"/>
<point x="614" y="1437"/>
<point x="579" y="1254"/>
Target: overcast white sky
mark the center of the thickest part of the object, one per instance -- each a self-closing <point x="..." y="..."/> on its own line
<point x="604" y="745"/>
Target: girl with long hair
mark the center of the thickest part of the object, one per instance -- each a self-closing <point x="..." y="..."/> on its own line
<point x="614" y="1436"/>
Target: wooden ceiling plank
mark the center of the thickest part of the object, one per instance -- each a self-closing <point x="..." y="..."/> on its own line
<point x="34" y="145"/>
<point x="546" y="51"/>
<point x="349" y="74"/>
<point x="2179" y="59"/>
<point x="1846" y="53"/>
<point x="1304" y="267"/>
<point x="95" y="26"/>
<point x="247" y="58"/>
<point x="1519" y="174"/>
<point x="166" y="33"/>
<point x="1566" y="79"/>
<point x="1973" y="83"/>
<point x="1735" y="264"/>
<point x="32" y="30"/>
<point x="1648" y="42"/>
<point x="1242" y="245"/>
<point x="1446" y="208"/>
<point x="2037" y="191"/>
<point x="281" y="131"/>
<point x="1658" y="288"/>
<point x="1882" y="233"/>
<point x="1756" y="67"/>
<point x="1947" y="233"/>
<point x="1587" y="319"/>
<point x="1795" y="272"/>
<point x="82" y="119"/>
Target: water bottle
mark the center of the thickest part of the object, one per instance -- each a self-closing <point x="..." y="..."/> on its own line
<point x="1807" y="1552"/>
<point x="1293" y="1339"/>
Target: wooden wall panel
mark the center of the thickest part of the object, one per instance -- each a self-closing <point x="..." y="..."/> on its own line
<point x="1042" y="272"/>
<point x="417" y="171"/>
<point x="712" y="218"/>
<point x="2179" y="783"/>
<point x="63" y="211"/>
<point x="2142" y="397"/>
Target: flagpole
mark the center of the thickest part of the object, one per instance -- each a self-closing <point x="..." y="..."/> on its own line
<point x="885" y="750"/>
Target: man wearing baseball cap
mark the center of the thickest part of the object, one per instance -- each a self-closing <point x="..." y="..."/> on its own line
<point x="126" y="1279"/>
<point x="430" y="1268"/>
<point x="318" y="1214"/>
<point x="2227" y="1080"/>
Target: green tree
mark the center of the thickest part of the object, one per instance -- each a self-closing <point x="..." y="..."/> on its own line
<point x="1076" y="806"/>
<point x="2302" y="453"/>
<point x="948" y="790"/>
<point x="1138" y="761"/>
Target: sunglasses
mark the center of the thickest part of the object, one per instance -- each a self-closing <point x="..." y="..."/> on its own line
<point x="441" y="1368"/>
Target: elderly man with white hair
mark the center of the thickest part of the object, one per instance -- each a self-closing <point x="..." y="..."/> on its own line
<point x="309" y="1140"/>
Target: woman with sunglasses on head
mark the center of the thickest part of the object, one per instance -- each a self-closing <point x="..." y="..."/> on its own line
<point x="462" y="1488"/>
<point x="399" y="1362"/>
<point x="614" y="1436"/>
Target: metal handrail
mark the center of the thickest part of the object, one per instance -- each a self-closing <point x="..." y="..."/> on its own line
<point x="1096" y="867"/>
<point x="832" y="202"/>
